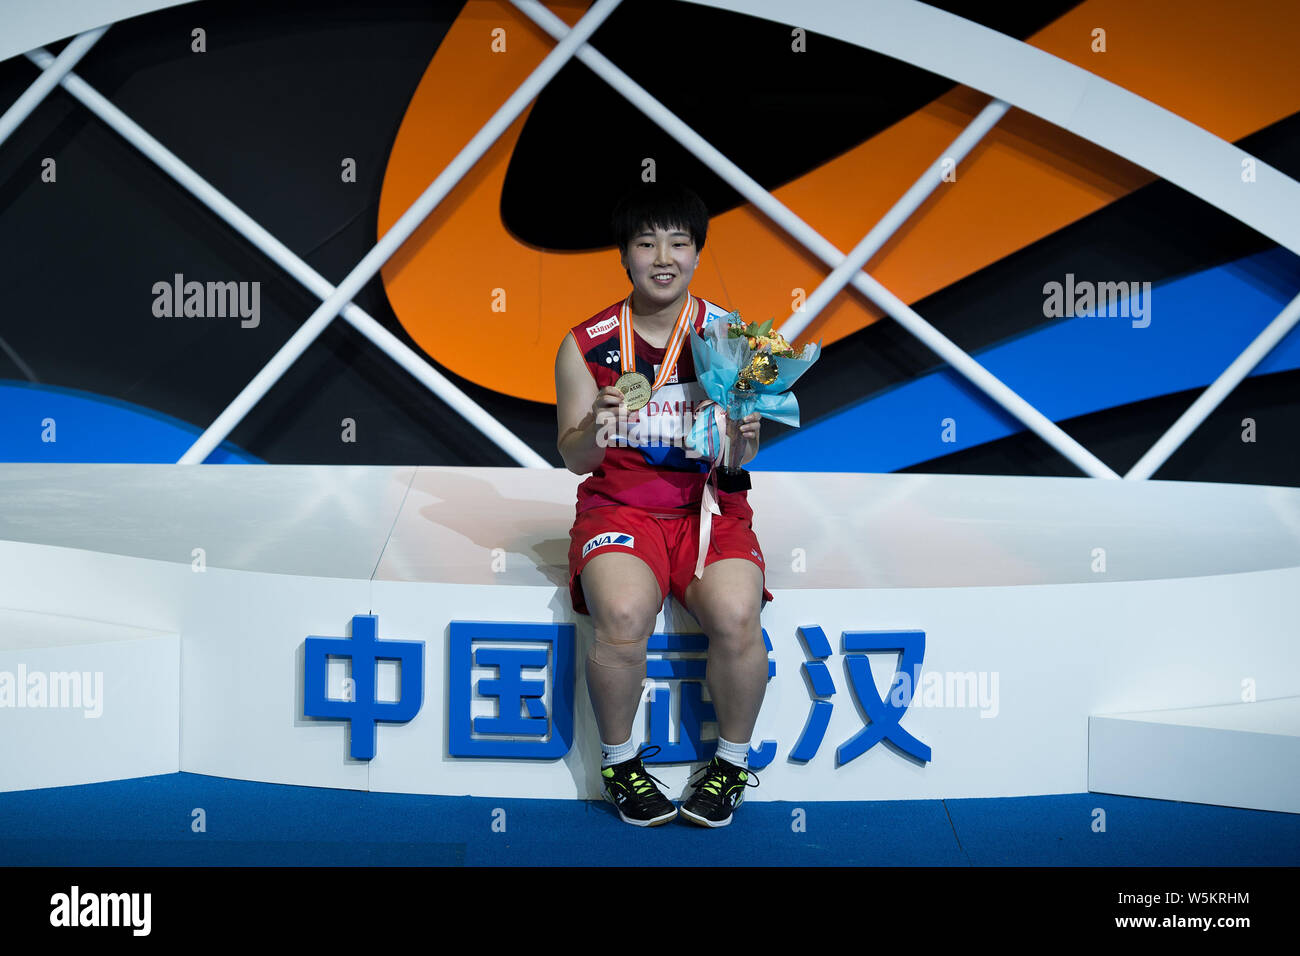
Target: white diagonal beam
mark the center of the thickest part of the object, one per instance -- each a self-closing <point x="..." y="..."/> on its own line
<point x="50" y="76"/>
<point x="892" y="220"/>
<point x="1033" y="419"/>
<point x="283" y="256"/>
<point x="1099" y="111"/>
<point x="401" y="230"/>
<point x="1218" y="390"/>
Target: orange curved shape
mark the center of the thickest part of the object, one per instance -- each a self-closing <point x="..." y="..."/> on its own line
<point x="1025" y="180"/>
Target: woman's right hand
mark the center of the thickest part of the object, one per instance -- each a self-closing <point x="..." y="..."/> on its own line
<point x="605" y="407"/>
<point x="606" y="410"/>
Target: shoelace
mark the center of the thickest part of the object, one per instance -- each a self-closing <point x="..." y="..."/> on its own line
<point x="641" y="786"/>
<point x="715" y="774"/>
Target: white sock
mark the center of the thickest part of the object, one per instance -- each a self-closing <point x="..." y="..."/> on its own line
<point x="737" y="754"/>
<point x="611" y="754"/>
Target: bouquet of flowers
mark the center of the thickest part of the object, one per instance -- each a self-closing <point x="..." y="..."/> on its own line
<point x="761" y="338"/>
<point x="743" y="368"/>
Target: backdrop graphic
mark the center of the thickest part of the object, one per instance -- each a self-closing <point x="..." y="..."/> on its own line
<point x="282" y="97"/>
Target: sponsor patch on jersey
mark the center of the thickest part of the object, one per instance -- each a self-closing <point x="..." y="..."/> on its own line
<point x="609" y="537"/>
<point x="672" y="379"/>
<point x="602" y="327"/>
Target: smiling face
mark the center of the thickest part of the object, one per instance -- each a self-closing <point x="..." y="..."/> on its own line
<point x="660" y="263"/>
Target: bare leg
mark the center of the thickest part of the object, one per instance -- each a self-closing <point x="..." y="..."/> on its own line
<point x="623" y="598"/>
<point x="726" y="601"/>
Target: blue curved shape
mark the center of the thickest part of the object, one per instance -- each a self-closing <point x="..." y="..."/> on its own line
<point x="884" y="720"/>
<point x="820" y="676"/>
<point x="815" y="638"/>
<point x="771" y="664"/>
<point x="819" y="718"/>
<point x="883" y="714"/>
<point x="1073" y="366"/>
<point x="762" y="756"/>
<point x="95" y="428"/>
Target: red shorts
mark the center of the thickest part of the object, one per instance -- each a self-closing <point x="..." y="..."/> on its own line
<point x="670" y="546"/>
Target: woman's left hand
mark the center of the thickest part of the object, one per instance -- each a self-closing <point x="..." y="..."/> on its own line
<point x="749" y="426"/>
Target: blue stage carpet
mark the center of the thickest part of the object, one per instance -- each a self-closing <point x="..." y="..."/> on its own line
<point x="148" y="822"/>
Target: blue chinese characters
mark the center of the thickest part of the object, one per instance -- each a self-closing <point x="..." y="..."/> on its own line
<point x="363" y="709"/>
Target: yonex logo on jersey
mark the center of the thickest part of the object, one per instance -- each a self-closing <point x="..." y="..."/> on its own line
<point x="602" y="327"/>
<point x="609" y="537"/>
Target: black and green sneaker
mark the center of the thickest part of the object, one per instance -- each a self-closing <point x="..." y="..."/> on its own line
<point x="719" y="789"/>
<point x="637" y="800"/>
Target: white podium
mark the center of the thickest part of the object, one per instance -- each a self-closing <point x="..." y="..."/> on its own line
<point x="1053" y="613"/>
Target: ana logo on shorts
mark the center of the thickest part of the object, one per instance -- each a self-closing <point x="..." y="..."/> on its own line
<point x="609" y="537"/>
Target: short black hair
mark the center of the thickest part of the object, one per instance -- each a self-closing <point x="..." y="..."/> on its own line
<point x="659" y="206"/>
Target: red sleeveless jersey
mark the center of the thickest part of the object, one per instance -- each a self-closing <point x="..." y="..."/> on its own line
<point x="646" y="463"/>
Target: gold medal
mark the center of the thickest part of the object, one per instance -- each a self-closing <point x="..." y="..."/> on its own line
<point x="635" y="388"/>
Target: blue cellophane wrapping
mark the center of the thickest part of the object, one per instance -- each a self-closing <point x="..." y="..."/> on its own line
<point x="718" y="361"/>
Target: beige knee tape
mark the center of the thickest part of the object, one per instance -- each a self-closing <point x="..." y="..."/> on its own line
<point x="618" y="653"/>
